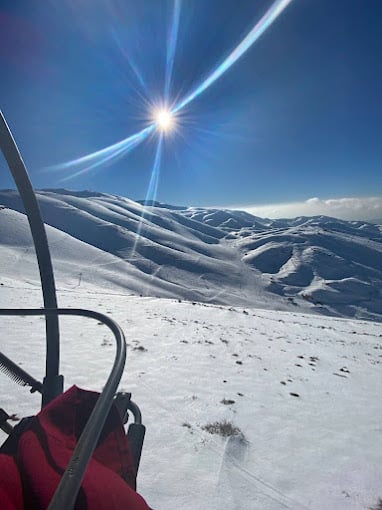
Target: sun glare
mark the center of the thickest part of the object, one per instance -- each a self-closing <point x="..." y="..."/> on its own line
<point x="164" y="120"/>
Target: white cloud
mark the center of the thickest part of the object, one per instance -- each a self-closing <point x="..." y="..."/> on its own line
<point x="356" y="208"/>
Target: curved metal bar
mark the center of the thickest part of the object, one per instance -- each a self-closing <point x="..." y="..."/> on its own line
<point x="67" y="490"/>
<point x="53" y="383"/>
<point x="133" y="407"/>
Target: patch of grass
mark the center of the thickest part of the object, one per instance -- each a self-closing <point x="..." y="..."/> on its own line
<point x="223" y="428"/>
<point x="378" y="505"/>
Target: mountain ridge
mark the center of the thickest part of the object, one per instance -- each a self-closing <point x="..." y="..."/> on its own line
<point x="318" y="264"/>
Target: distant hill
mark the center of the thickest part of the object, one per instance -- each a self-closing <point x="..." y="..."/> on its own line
<point x="316" y="264"/>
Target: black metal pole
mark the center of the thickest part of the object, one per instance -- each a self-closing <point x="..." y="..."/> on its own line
<point x="53" y="382"/>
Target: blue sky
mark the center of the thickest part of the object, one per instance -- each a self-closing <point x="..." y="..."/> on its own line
<point x="297" y="117"/>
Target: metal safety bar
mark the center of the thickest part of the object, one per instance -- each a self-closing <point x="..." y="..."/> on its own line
<point x="67" y="490"/>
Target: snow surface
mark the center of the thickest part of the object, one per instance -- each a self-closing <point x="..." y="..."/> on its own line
<point x="303" y="388"/>
<point x="318" y="265"/>
<point x="317" y="450"/>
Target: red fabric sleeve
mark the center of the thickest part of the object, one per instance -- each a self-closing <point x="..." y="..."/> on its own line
<point x="11" y="491"/>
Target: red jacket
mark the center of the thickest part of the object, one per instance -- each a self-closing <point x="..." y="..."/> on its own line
<point x="29" y="475"/>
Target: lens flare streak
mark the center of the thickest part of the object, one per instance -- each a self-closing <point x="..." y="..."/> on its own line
<point x="129" y="59"/>
<point x="171" y="47"/>
<point x="152" y="191"/>
<point x="261" y="26"/>
<point x="154" y="181"/>
<point x="106" y="155"/>
<point x="101" y="162"/>
<point x="121" y="148"/>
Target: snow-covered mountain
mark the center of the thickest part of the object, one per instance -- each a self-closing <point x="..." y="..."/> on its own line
<point x="317" y="264"/>
<point x="246" y="408"/>
<point x="335" y="264"/>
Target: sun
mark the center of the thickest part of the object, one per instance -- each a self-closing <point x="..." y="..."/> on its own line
<point x="164" y="120"/>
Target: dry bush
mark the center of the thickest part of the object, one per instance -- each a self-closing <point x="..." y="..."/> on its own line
<point x="223" y="428"/>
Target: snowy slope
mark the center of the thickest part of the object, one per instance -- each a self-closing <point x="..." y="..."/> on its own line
<point x="334" y="264"/>
<point x="174" y="256"/>
<point x="319" y="264"/>
<point x="337" y="267"/>
<point x="303" y="390"/>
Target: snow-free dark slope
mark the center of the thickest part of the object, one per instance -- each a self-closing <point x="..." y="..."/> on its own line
<point x="319" y="264"/>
